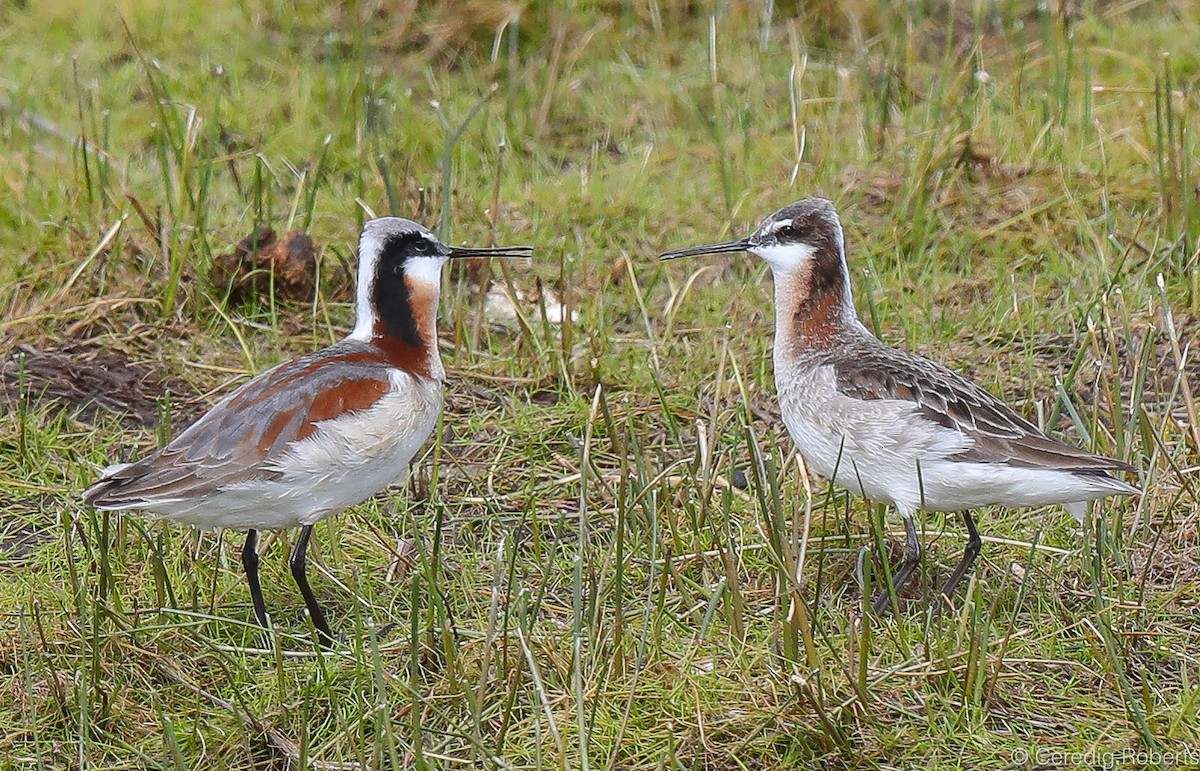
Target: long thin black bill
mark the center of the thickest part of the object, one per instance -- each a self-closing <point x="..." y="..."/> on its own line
<point x="741" y="245"/>
<point x="457" y="252"/>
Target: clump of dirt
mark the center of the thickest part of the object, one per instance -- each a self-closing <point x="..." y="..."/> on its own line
<point x="1161" y="389"/>
<point x="262" y="262"/>
<point x="969" y="154"/>
<point x="89" y="379"/>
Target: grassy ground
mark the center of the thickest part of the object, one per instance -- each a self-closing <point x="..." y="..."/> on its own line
<point x="572" y="579"/>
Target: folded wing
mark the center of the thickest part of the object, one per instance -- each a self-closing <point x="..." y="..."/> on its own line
<point x="998" y="434"/>
<point x="239" y="438"/>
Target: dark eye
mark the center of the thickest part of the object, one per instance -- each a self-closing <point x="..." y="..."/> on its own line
<point x="421" y="246"/>
<point x="789" y="232"/>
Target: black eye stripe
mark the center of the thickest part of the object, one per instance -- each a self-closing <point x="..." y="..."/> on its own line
<point x="401" y="246"/>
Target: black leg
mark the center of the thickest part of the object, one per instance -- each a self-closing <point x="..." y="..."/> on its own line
<point x="974" y="544"/>
<point x="250" y="563"/>
<point x="912" y="558"/>
<point x="314" y="610"/>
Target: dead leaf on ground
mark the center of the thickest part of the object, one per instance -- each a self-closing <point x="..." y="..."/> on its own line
<point x="502" y="307"/>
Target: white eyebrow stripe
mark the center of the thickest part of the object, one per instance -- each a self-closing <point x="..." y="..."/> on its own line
<point x="774" y="227"/>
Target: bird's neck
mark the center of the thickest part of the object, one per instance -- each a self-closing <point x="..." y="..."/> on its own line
<point x="404" y="328"/>
<point x="814" y="310"/>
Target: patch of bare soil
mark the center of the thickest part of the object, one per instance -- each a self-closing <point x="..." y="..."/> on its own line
<point x="89" y="379"/>
<point x="1164" y="565"/>
<point x="1161" y="388"/>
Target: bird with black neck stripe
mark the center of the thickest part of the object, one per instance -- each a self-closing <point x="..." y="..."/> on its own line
<point x="889" y="425"/>
<point x="318" y="434"/>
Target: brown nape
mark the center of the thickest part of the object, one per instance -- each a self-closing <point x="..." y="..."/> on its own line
<point x="412" y="352"/>
<point x="811" y="304"/>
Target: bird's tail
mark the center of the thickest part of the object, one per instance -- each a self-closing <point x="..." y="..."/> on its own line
<point x="1105" y="485"/>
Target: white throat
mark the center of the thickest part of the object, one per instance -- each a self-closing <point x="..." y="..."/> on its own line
<point x="427" y="270"/>
<point x="785" y="258"/>
<point x="794" y="261"/>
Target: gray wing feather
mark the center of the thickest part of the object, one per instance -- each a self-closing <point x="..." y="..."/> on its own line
<point x="875" y="371"/>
